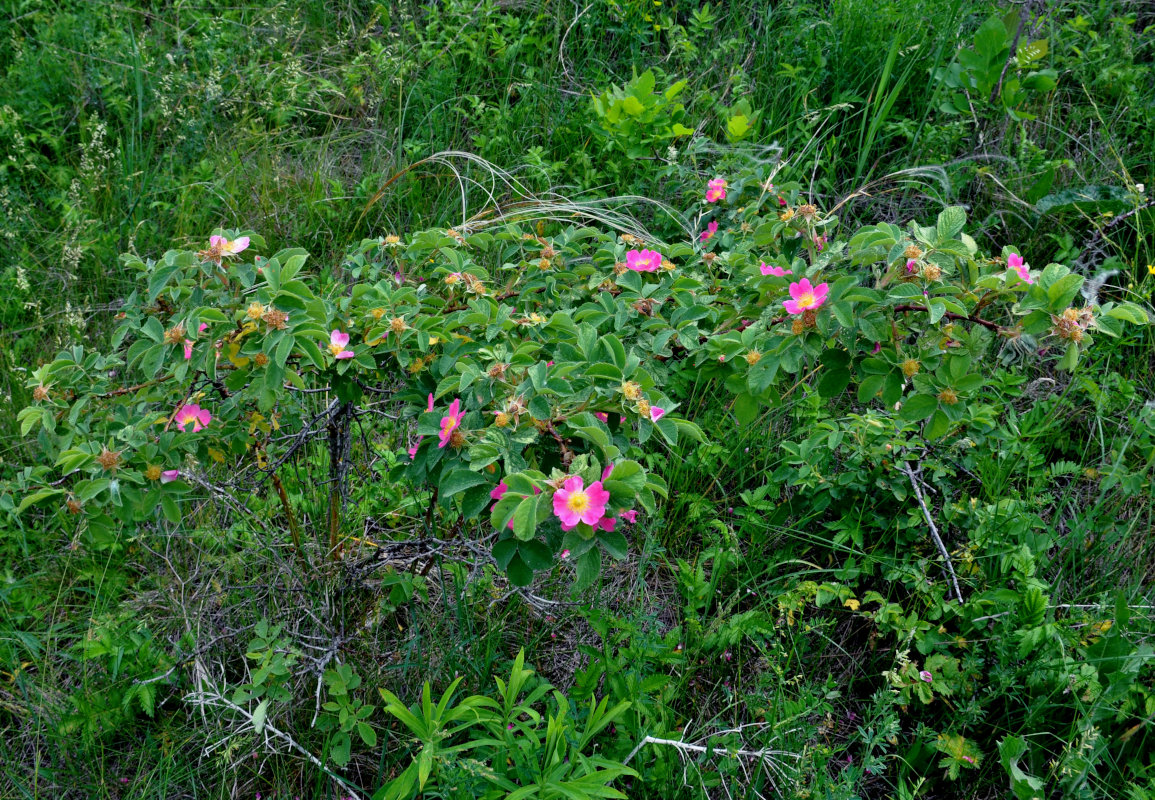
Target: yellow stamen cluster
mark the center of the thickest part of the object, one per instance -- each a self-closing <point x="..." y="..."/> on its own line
<point x="153" y="472"/>
<point x="398" y="325"/>
<point x="786" y="215"/>
<point x="910" y="367"/>
<point x="256" y="311"/>
<point x="753" y="357"/>
<point x="667" y="265"/>
<point x="807" y="211"/>
<point x="912" y="251"/>
<point x="643" y="408"/>
<point x="632" y="240"/>
<point x="377" y="313"/>
<point x="931" y="273"/>
<point x="501" y="419"/>
<point x="260" y="359"/>
<point x="1071" y="324"/>
<point x="796" y="327"/>
<point x="392" y="239"/>
<point x="948" y="397"/>
<point x="632" y="390"/>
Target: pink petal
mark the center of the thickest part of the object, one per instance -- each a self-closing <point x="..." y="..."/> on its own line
<point x="656" y="413"/>
<point x="345" y="354"/>
<point x="629" y="516"/>
<point x="430" y="406"/>
<point x="169" y="475"/>
<point x="499" y="491"/>
<point x="188" y="345"/>
<point x="791" y="307"/>
<point x="606" y="472"/>
<point x="215" y="240"/>
<point x="240" y="244"/>
<point x="607" y="523"/>
<point x="601" y="415"/>
<point x="1014" y="261"/>
<point x="573" y="484"/>
<point x="598" y="495"/>
<point x="339" y="338"/>
<point x="201" y="327"/>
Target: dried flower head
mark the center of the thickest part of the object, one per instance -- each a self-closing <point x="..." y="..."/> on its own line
<point x="501" y="419"/>
<point x="948" y="397"/>
<point x="40" y="393"/>
<point x="643" y="408"/>
<point x="109" y="460"/>
<point x="786" y="215"/>
<point x="910" y="367"/>
<point x="398" y="325"/>
<point x="544" y="264"/>
<point x="912" y="251"/>
<point x="497" y="371"/>
<point x="931" y="272"/>
<point x="796" y="327"/>
<point x="260" y="359"/>
<point x="753" y="357"/>
<point x="807" y="211"/>
<point x="277" y="320"/>
<point x="174" y="335"/>
<point x="153" y="472"/>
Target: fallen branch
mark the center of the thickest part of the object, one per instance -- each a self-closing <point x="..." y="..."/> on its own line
<point x="933" y="530"/>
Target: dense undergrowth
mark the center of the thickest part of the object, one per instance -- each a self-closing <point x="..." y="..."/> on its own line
<point x="895" y="545"/>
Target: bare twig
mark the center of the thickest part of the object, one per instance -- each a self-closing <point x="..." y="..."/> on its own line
<point x="933" y="530"/>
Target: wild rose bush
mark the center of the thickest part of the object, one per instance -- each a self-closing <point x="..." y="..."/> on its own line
<point x="535" y="367"/>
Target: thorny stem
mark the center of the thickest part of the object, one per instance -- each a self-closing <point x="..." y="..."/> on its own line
<point x="933" y="530"/>
<point x="986" y="323"/>
<point x="294" y="531"/>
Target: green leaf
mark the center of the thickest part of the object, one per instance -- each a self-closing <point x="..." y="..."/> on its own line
<point x="457" y="481"/>
<point x="614" y="543"/>
<point x="535" y="554"/>
<point x="746" y="409"/>
<point x="833" y="382"/>
<point x="918" y="407"/>
<point x="259" y="716"/>
<point x="951" y="221"/>
<point x="519" y="573"/>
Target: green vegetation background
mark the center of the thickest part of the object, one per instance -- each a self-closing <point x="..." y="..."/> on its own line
<point x="139" y="126"/>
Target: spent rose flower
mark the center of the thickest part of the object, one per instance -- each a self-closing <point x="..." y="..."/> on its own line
<point x="607" y="523"/>
<point x="805" y="297"/>
<point x="716" y="190"/>
<point x="630" y="516"/>
<point x="575" y="503"/>
<point x="227" y="248"/>
<point x="1015" y="262"/>
<point x="450" y="422"/>
<point x="926" y="676"/>
<point x="192" y="414"/>
<point x="777" y="272"/>
<point x="169" y="475"/>
<point x="602" y="416"/>
<point x="708" y="234"/>
<point x="188" y="345"/>
<point x="337" y="343"/>
<point x="643" y="260"/>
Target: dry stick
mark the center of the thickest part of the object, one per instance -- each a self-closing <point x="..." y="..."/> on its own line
<point x="204" y="698"/>
<point x="933" y="530"/>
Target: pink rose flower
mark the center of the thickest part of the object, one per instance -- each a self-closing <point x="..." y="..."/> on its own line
<point x="192" y="414"/>
<point x="450" y="422"/>
<point x="337" y="342"/>
<point x="777" y="272"/>
<point x="1015" y="262"/>
<point x="708" y="234"/>
<point x="716" y="190"/>
<point x="643" y="260"/>
<point x="805" y="297"/>
<point x="575" y="503"/>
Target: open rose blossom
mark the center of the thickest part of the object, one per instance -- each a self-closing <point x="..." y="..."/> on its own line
<point x="643" y="260"/>
<point x="574" y="503"/>
<point x="708" y="234"/>
<point x="777" y="272"/>
<point x="337" y="342"/>
<point x="226" y="247"/>
<point x="805" y="297"/>
<point x="716" y="190"/>
<point x="450" y="422"/>
<point x="192" y="414"/>
<point x="1015" y="262"/>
